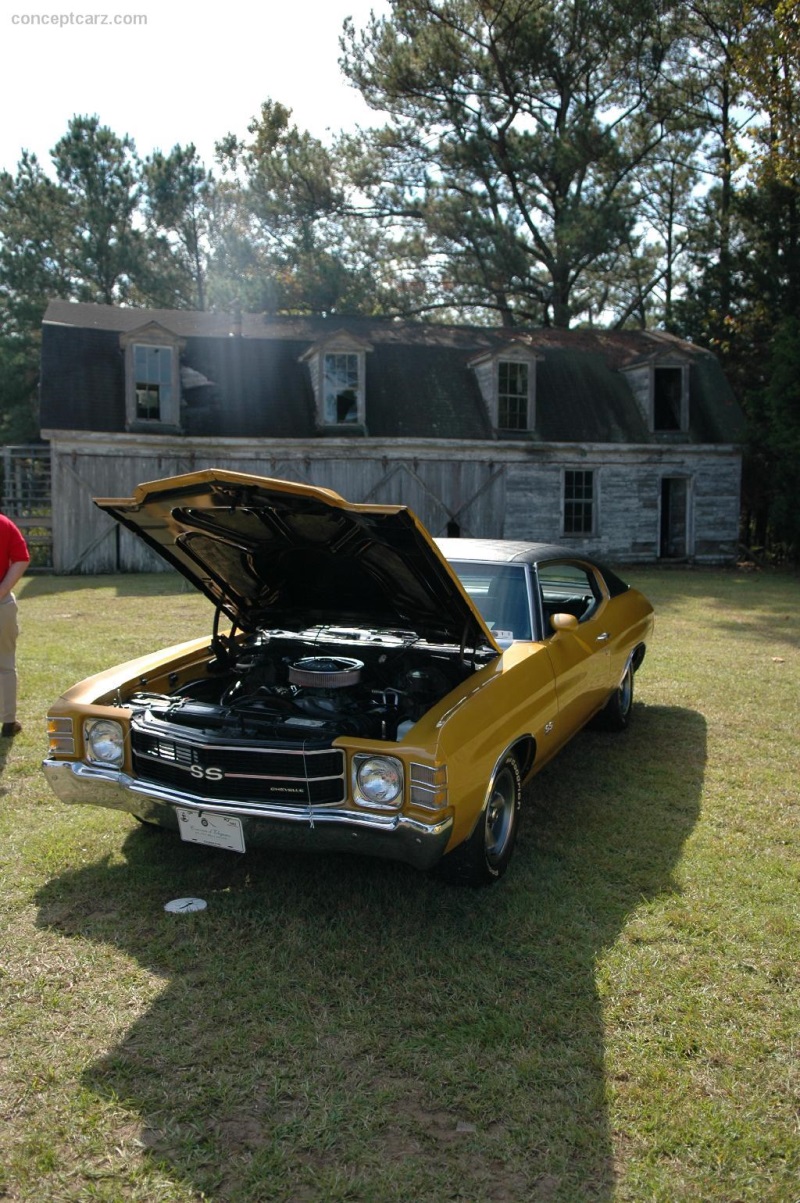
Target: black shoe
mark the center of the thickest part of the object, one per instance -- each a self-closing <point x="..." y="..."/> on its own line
<point x="10" y="730"/>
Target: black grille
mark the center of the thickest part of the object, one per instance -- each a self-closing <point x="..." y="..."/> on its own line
<point x="239" y="773"/>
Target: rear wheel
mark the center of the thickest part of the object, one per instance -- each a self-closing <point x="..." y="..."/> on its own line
<point x="484" y="857"/>
<point x="616" y="714"/>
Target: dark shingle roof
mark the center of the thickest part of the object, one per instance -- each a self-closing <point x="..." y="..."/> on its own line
<point x="579" y="398"/>
<point x="420" y="380"/>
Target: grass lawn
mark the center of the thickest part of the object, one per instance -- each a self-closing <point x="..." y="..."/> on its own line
<point x="616" y="1020"/>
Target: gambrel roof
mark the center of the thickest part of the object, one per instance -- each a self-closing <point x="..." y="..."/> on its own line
<point x="248" y="376"/>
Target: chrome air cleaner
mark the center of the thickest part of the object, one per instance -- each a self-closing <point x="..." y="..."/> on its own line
<point x="325" y="672"/>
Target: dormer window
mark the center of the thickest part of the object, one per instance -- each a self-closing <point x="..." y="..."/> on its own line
<point x="338" y="368"/>
<point x="152" y="381"/>
<point x="342" y="387"/>
<point x="513" y="395"/>
<point x="670" y="400"/>
<point x="508" y="386"/>
<point x="661" y="390"/>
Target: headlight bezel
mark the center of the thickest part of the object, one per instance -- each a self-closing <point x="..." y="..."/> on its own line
<point x="369" y="769"/>
<point x="112" y="732"/>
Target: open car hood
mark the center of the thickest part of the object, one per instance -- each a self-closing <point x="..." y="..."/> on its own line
<point x="273" y="553"/>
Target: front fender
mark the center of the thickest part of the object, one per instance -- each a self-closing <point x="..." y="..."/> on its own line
<point x="512" y="700"/>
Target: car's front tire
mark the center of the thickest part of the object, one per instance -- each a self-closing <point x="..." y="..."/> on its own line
<point x="484" y="856"/>
<point x="149" y="823"/>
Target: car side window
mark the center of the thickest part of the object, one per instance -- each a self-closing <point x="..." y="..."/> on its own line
<point x="567" y="589"/>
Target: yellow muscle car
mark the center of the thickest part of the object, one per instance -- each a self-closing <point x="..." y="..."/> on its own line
<point x="364" y="687"/>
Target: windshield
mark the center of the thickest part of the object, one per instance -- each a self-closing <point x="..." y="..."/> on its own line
<point x="500" y="592"/>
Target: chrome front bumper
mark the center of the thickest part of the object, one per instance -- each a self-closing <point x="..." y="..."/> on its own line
<point x="320" y="828"/>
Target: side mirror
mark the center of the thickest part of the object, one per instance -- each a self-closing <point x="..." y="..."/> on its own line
<point x="563" y="622"/>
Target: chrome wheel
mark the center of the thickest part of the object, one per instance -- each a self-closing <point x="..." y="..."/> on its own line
<point x="626" y="693"/>
<point x="616" y="714"/>
<point x="484" y="856"/>
<point x="501" y="814"/>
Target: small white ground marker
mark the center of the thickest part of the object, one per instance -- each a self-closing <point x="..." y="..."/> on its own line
<point x="183" y="906"/>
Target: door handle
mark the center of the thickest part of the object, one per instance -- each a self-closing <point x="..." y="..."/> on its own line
<point x="602" y="638"/>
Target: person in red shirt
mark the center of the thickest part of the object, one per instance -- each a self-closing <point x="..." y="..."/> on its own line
<point x="14" y="559"/>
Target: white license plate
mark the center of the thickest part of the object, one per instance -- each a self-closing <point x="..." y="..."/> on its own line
<point x="204" y="827"/>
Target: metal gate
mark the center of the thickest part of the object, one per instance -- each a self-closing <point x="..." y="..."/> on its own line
<point x="26" y="497"/>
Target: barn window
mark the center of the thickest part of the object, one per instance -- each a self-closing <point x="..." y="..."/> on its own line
<point x="153" y="382"/>
<point x="343" y="390"/>
<point x="512" y="395"/>
<point x="670" y="409"/>
<point x="337" y="369"/>
<point x="507" y="383"/>
<point x="578" y="502"/>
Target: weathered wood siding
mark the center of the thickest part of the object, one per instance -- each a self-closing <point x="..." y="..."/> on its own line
<point x="497" y="489"/>
<point x="628" y="500"/>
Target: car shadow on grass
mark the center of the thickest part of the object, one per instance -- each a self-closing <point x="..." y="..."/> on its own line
<point x="334" y="1028"/>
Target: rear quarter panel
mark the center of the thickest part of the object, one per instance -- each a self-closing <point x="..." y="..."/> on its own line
<point x="630" y="624"/>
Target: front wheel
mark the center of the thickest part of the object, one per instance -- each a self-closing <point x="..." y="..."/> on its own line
<point x="484" y="857"/>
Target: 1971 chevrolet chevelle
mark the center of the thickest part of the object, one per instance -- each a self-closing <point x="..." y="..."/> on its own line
<point x="364" y="687"/>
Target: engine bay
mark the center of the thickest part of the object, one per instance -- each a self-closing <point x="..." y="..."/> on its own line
<point x="310" y="687"/>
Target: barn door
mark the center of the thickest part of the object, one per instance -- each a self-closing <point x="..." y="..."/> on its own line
<point x="450" y="497"/>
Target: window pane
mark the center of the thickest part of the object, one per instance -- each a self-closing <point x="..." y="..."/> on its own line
<point x="152" y="368"/>
<point x="667" y="398"/>
<point x="341" y="388"/>
<point x="566" y="589"/>
<point x="512" y="395"/>
<point x="148" y="405"/>
<point x="500" y="593"/>
<point x="578" y="502"/>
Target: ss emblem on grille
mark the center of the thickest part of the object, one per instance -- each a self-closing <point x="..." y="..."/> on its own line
<point x="210" y="774"/>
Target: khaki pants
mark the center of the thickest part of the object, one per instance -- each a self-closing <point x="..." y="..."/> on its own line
<point x="8" y="668"/>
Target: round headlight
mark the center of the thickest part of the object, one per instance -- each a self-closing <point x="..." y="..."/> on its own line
<point x="379" y="780"/>
<point x="105" y="741"/>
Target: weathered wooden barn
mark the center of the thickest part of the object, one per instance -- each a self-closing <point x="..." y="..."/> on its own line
<point x="624" y="444"/>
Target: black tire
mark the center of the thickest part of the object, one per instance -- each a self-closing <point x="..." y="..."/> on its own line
<point x="149" y="824"/>
<point x="483" y="858"/>
<point x="616" y="714"/>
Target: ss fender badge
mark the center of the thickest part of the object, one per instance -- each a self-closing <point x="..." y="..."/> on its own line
<point x="548" y="728"/>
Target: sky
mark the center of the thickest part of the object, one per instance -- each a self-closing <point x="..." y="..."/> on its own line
<point x="167" y="72"/>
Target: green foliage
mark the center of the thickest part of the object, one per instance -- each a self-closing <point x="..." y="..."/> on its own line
<point x="19" y="374"/>
<point x="515" y="134"/>
<point x="768" y="62"/>
<point x="34" y="220"/>
<point x="34" y="228"/>
<point x="98" y="173"/>
<point x="287" y="238"/>
<point x="278" y="191"/>
<point x="781" y="434"/>
<point x="179" y="204"/>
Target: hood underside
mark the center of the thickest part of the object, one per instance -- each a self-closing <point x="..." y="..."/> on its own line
<point x="273" y="553"/>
